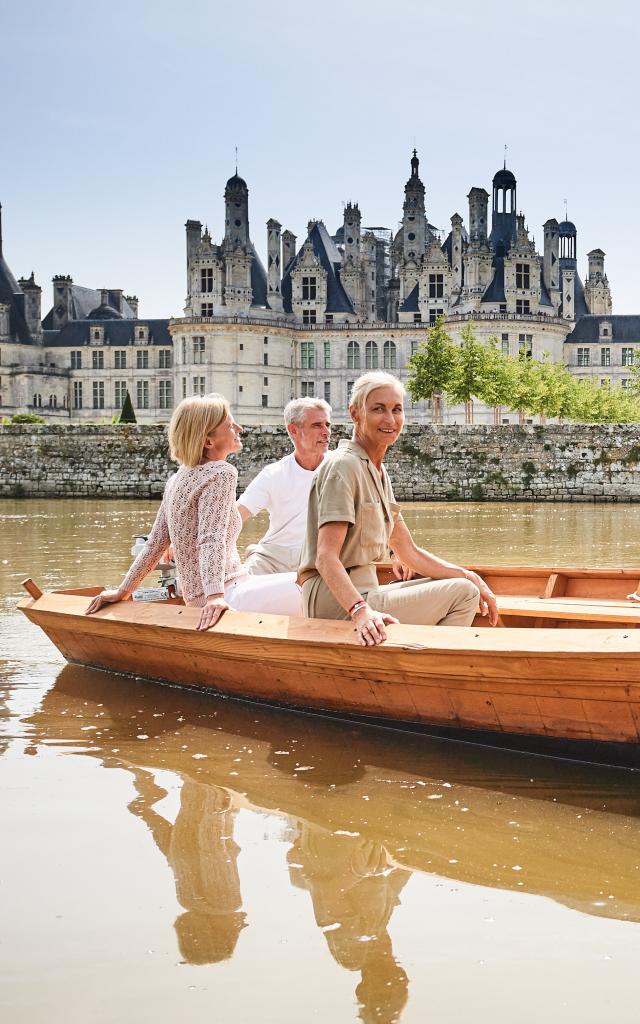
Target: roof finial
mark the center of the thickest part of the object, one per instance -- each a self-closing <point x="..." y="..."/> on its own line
<point x="505" y="156"/>
<point x="236" y="159"/>
<point x="566" y="217"/>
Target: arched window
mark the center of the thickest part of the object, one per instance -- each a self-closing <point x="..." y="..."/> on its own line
<point x="371" y="356"/>
<point x="389" y="355"/>
<point x="353" y="356"/>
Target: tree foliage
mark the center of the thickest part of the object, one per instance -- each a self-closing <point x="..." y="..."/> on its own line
<point x="127" y="414"/>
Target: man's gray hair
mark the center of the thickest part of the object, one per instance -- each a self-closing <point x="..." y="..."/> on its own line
<point x="294" y="411"/>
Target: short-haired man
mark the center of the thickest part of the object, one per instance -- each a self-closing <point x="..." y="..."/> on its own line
<point x="282" y="488"/>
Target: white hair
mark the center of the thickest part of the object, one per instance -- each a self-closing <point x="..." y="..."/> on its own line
<point x="294" y="411"/>
<point x="368" y="382"/>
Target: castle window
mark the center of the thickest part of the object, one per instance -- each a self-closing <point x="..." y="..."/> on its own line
<point x="627" y="356"/>
<point x="605" y="382"/>
<point x="503" y="307"/>
<point x="584" y="357"/>
<point x="76" y="360"/>
<point x="371" y="356"/>
<point x="98" y="362"/>
<point x="309" y="287"/>
<point x="327" y="355"/>
<point x="605" y="357"/>
<point x="389" y="355"/>
<point x="307" y="389"/>
<point x="142" y="394"/>
<point x="98" y="394"/>
<point x="414" y="346"/>
<point x="120" y="359"/>
<point x="327" y="391"/>
<point x="523" y="307"/>
<point x="77" y="394"/>
<point x="164" y="394"/>
<point x="184" y="350"/>
<point x="165" y="359"/>
<point x="436" y="286"/>
<point x="307" y="355"/>
<point x="206" y="279"/>
<point x="206" y="309"/>
<point x="328" y="319"/>
<point x="523" y="275"/>
<point x="433" y="316"/>
<point x="353" y="356"/>
<point x="96" y="334"/>
<point x="184" y="387"/>
<point x="417" y="318"/>
<point x="265" y="358"/>
<point x="525" y="345"/>
<point x="308" y="316"/>
<point x="265" y="341"/>
<point x="141" y="334"/>
<point x="198" y="350"/>
<point x="199" y="385"/>
<point x="120" y="393"/>
<point x="142" y="359"/>
<point x="605" y="332"/>
<point x="505" y="344"/>
<point x="265" y="382"/>
<point x="265" y="401"/>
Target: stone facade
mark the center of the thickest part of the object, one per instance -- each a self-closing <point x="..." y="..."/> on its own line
<point x="433" y="463"/>
<point x="320" y="314"/>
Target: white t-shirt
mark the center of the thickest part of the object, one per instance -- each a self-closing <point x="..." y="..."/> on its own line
<point x="283" y="490"/>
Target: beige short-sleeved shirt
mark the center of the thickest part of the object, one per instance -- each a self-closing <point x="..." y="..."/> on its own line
<point x="347" y="488"/>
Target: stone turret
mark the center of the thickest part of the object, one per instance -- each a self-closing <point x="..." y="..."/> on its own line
<point x="596" y="288"/>
<point x="32" y="305"/>
<point x="478" y="206"/>
<point x="414" y="218"/>
<point x="274" y="296"/>
<point x="236" y="221"/>
<point x="62" y="300"/>
<point x="456" y="254"/>
<point x="288" y="248"/>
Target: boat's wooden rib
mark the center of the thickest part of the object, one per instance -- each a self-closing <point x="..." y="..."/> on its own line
<point x="577" y="683"/>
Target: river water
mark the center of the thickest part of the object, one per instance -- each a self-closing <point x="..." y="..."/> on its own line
<point x="169" y="856"/>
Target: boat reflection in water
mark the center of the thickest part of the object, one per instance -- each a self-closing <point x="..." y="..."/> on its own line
<point x="363" y="808"/>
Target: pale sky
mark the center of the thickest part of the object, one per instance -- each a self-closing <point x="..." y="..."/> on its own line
<point x="120" y="122"/>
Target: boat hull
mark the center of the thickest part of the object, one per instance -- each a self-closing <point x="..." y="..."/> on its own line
<point x="556" y="684"/>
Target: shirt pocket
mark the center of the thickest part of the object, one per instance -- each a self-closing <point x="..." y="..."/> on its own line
<point x="373" y="533"/>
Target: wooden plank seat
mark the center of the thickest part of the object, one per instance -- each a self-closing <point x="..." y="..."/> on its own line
<point x="569" y="608"/>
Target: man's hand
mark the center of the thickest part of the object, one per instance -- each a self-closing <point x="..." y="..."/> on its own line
<point x="212" y="611"/>
<point x="400" y="570"/>
<point x="488" y="603"/>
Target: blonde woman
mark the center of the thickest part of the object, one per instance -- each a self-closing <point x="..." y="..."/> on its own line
<point x="198" y="516"/>
<point x="354" y="521"/>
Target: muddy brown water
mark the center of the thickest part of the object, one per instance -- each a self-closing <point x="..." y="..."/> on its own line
<point x="171" y="855"/>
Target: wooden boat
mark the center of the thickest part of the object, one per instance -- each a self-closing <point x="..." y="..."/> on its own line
<point x="561" y="669"/>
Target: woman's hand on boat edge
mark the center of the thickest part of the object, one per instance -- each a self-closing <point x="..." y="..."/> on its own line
<point x="370" y="625"/>
<point x="488" y="603"/>
<point x="634" y="597"/>
<point x="213" y="609"/>
<point x="106" y="597"/>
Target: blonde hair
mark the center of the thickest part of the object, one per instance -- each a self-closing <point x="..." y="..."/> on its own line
<point x="368" y="382"/>
<point x="192" y="422"/>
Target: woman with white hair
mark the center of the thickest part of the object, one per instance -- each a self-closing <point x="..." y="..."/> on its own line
<point x="353" y="522"/>
<point x="198" y="516"/>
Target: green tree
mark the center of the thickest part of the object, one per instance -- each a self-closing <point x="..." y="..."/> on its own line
<point x="432" y="366"/>
<point x="127" y="415"/>
<point x="553" y="391"/>
<point x="496" y="383"/>
<point x="469" y="372"/>
<point x="524" y="386"/>
<point x="26" y="417"/>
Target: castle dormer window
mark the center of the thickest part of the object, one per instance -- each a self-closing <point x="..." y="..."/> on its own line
<point x="97" y="335"/>
<point x="206" y="279"/>
<point x="523" y="275"/>
<point x="436" y="286"/>
<point x="309" y="288"/>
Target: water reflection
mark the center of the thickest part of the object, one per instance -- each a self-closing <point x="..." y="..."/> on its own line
<point x="365" y="808"/>
<point x="354" y="888"/>
<point x="201" y="852"/>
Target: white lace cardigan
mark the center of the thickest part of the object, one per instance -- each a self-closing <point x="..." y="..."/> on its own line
<point x="198" y="515"/>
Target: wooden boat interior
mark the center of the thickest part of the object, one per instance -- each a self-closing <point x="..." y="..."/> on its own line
<point x="532" y="597"/>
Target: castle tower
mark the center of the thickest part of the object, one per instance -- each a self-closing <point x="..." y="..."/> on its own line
<point x="236" y="217"/>
<point x="503" y="213"/>
<point x="352" y="221"/>
<point x="62" y="301"/>
<point x="456" y="254"/>
<point x="596" y="289"/>
<point x="274" y="296"/>
<point x="288" y="248"/>
<point x="478" y="206"/>
<point x="414" y="219"/>
<point x="32" y="305"/>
